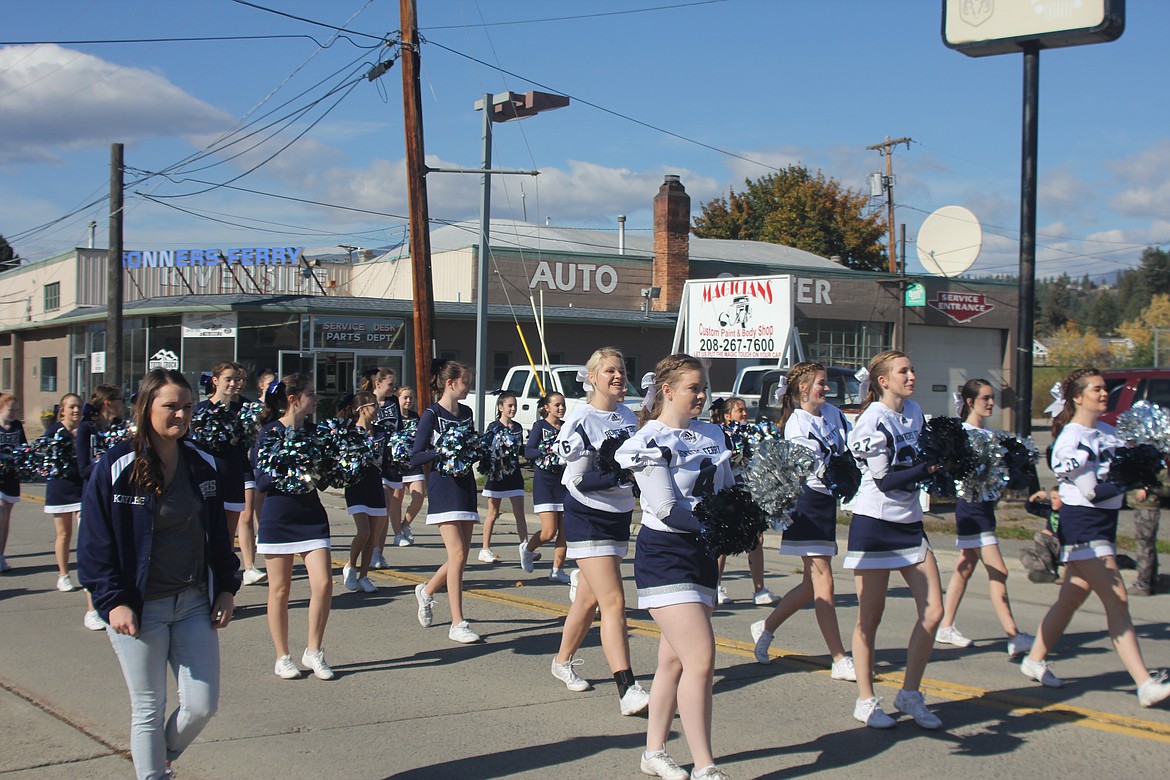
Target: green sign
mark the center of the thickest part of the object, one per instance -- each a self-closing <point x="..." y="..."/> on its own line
<point x="915" y="295"/>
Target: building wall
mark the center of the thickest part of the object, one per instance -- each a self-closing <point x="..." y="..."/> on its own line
<point x="37" y="344"/>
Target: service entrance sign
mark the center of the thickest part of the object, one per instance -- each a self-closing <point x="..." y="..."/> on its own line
<point x="979" y="28"/>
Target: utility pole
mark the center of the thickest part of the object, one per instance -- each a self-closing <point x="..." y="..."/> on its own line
<point x="416" y="182"/>
<point x="113" y="372"/>
<point x="887" y="150"/>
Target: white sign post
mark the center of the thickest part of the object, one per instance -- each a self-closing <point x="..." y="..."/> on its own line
<point x="206" y="325"/>
<point x="749" y="317"/>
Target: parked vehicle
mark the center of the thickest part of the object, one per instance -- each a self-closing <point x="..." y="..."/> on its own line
<point x="1127" y="386"/>
<point x="747" y="387"/>
<point x="560" y="378"/>
<point x="844" y="393"/>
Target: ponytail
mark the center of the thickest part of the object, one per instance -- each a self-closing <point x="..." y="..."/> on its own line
<point x="798" y="376"/>
<point x="1072" y="386"/>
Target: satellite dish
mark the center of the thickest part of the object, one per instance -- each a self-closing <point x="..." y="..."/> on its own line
<point x="949" y="241"/>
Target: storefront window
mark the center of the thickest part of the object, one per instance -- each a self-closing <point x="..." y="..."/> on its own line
<point x="260" y="338"/>
<point x="843" y="343"/>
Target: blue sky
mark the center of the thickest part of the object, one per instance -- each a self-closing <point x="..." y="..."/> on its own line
<point x="772" y="81"/>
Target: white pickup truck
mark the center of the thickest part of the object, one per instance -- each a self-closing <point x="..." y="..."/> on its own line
<point x="560" y="378"/>
<point x="747" y="387"/>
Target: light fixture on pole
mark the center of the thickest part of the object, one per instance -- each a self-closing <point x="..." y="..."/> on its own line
<point x="649" y="294"/>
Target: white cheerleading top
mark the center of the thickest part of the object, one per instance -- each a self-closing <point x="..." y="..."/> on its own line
<point x="826" y="435"/>
<point x="882" y="440"/>
<point x="676" y="466"/>
<point x="1080" y="459"/>
<point x="581" y="436"/>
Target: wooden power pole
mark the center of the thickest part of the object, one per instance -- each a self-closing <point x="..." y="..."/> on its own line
<point x="113" y="372"/>
<point x="887" y="150"/>
<point x="416" y="182"/>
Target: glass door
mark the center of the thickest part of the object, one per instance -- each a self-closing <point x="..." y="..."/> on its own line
<point x="335" y="378"/>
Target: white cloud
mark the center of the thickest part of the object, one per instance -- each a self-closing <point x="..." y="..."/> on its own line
<point x="57" y="98"/>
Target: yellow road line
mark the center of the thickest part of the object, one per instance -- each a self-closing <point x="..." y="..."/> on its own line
<point x="1011" y="704"/>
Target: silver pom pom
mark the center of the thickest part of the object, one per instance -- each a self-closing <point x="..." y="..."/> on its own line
<point x="1145" y="423"/>
<point x="775" y="477"/>
<point x="987" y="480"/>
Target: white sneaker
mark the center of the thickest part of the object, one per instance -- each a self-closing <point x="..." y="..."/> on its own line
<point x="721" y="595"/>
<point x="426" y="606"/>
<point x="316" y="662"/>
<point x="635" y="701"/>
<point x="1154" y="690"/>
<point x="951" y="636"/>
<point x="526" y="557"/>
<point x="713" y="773"/>
<point x="286" y="669"/>
<point x="1020" y="644"/>
<point x="349" y="577"/>
<point x="400" y="541"/>
<point x="576" y="575"/>
<point x="764" y="598"/>
<point x="462" y="633"/>
<point x="487" y="556"/>
<point x="567" y="674"/>
<point x="407" y="535"/>
<point x="254" y="576"/>
<point x="913" y="703"/>
<point x="366" y="585"/>
<point x="377" y="560"/>
<point x="763" y="639"/>
<point x="659" y="764"/>
<point x="1041" y="672"/>
<point x="869" y="712"/>
<point x="844" y="670"/>
<point x="558" y="575"/>
<point x="4" y="565"/>
<point x="65" y="584"/>
<point x="93" y="621"/>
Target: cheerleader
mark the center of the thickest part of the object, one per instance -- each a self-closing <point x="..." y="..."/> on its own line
<point x="1087" y="532"/>
<point x="246" y="523"/>
<point x="726" y="412"/>
<point x="510" y="486"/>
<point x="886" y="534"/>
<point x="103" y="410"/>
<point x="365" y="499"/>
<point x="11" y="437"/>
<point x="293" y="524"/>
<point x="413" y="480"/>
<point x="677" y="461"/>
<point x="975" y="537"/>
<point x="453" y="499"/>
<point x="809" y="420"/>
<point x="63" y="493"/>
<point x="598" y="509"/>
<point x="548" y="492"/>
<point x="264" y="377"/>
<point x="380" y="382"/>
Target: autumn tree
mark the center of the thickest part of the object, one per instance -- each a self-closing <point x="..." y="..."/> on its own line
<point x="1141" y="330"/>
<point x="1069" y="347"/>
<point x="800" y="209"/>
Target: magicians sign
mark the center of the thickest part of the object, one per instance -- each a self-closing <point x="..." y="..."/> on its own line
<point x="979" y="28"/>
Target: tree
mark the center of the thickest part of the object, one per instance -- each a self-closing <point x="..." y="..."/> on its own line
<point x="1155" y="270"/>
<point x="8" y="256"/>
<point x="1102" y="315"/>
<point x="1068" y="347"/>
<point x="802" y="210"/>
<point x="1055" y="306"/>
<point x="1141" y="331"/>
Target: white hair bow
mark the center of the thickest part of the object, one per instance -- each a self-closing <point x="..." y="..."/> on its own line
<point x="958" y="399"/>
<point x="781" y="389"/>
<point x="649" y="387"/>
<point x="862" y="376"/>
<point x="1057" y="405"/>
<point x="583" y="378"/>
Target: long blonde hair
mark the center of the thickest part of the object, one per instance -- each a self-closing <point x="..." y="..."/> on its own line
<point x="879" y="366"/>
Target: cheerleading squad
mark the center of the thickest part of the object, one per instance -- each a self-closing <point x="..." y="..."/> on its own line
<point x="178" y="481"/>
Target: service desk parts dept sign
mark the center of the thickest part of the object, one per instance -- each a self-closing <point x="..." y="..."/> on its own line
<point x="739" y="318"/>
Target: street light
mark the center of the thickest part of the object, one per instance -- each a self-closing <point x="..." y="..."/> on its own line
<point x="504" y="107"/>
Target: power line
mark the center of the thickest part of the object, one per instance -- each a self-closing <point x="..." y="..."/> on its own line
<point x="198" y="39"/>
<point x="581" y="16"/>
<point x="308" y="21"/>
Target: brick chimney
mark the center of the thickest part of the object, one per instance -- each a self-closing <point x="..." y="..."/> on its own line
<point x="672" y="243"/>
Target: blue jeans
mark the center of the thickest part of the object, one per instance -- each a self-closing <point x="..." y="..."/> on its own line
<point x="175" y="630"/>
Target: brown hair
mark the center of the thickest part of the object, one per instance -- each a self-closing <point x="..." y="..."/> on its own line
<point x="667" y="372"/>
<point x="276" y="399"/>
<point x="798" y="376"/>
<point x="1073" y="385"/>
<point x="61" y="403"/>
<point x="969" y="392"/>
<point x="446" y="371"/>
<point x="504" y="395"/>
<point x="351" y="411"/>
<point x="5" y="399"/>
<point x="728" y="406"/>
<point x="101" y="397"/>
<point x="373" y="378"/>
<point x="879" y="366"/>
<point x="542" y="406"/>
<point x="594" y="363"/>
<point x="147" y="472"/>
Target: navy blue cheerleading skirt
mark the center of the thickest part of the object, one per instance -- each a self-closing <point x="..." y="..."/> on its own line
<point x="814" y="525"/>
<point x="508" y="486"/>
<point x="548" y="492"/>
<point x="592" y="533"/>
<point x="10" y="490"/>
<point x="1086" y="532"/>
<point x="292" y="524"/>
<point x="879" y="544"/>
<point x="366" y="496"/>
<point x="63" y="495"/>
<point x="673" y="568"/>
<point x="975" y="524"/>
<point x="451" y="499"/>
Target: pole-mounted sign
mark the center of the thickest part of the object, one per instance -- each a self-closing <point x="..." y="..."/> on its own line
<point x="979" y="28"/>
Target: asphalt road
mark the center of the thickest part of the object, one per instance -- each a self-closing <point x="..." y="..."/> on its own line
<point x="410" y="703"/>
